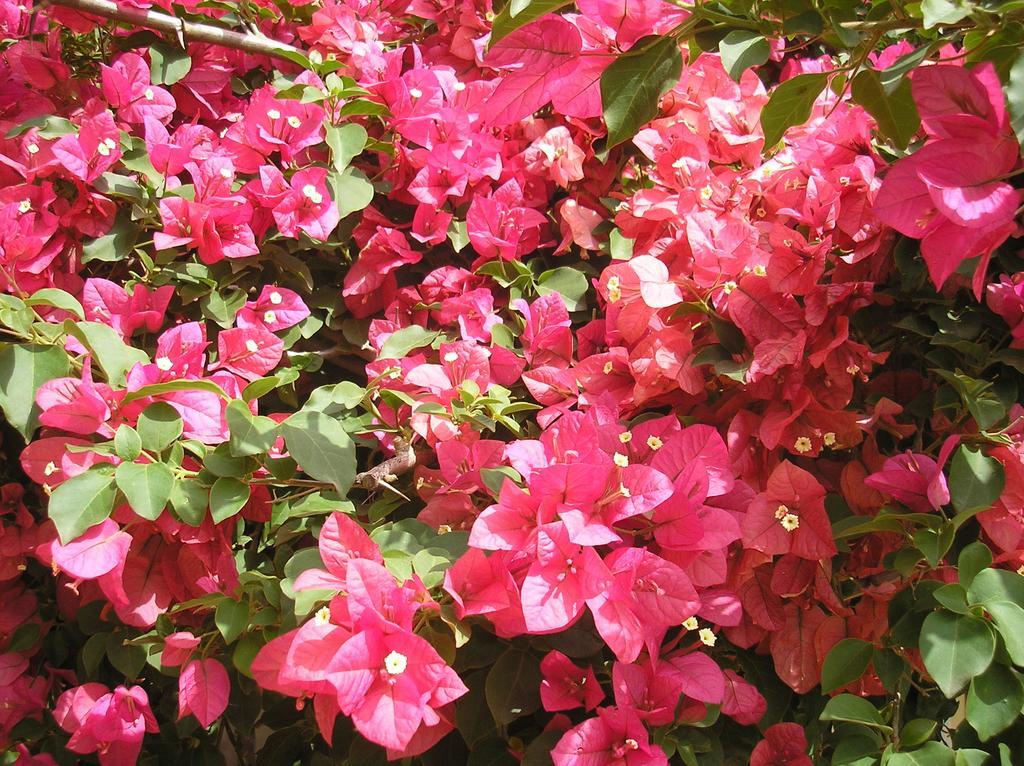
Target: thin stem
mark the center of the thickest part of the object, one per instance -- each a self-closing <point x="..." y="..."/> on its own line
<point x="190" y="30"/>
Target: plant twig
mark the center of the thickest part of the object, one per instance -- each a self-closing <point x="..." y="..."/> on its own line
<point x="383" y="474"/>
<point x="184" y="30"/>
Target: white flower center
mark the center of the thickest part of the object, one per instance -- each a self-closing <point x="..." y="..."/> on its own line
<point x="164" y="363"/>
<point x="252" y="346"/>
<point x="33" y="148"/>
<point x="395" y="663"/>
<point x="273" y="114"/>
<point x="269" y="317"/>
<point x="275" y="298"/>
<point x="51" y="469"/>
<point x="312" y="194"/>
<point x="225" y="172"/>
<point x="148" y="94"/>
<point x="415" y="92"/>
<point x="295" y="122"/>
<point x="24" y="206"/>
<point x="451" y="356"/>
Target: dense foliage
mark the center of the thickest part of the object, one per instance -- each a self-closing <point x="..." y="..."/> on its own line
<point x="587" y="384"/>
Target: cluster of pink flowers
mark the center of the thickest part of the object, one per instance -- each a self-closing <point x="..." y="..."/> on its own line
<point x="664" y="533"/>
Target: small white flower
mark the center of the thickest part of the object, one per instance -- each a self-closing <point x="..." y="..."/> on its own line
<point x="690" y="623"/>
<point x="654" y="443"/>
<point x="415" y="92"/>
<point x="24" y="206"/>
<point x="451" y="356"/>
<point x="620" y="460"/>
<point x="252" y="346"/>
<point x="803" y="444"/>
<point x="164" y="363"/>
<point x="294" y="121"/>
<point x="32" y="148"/>
<point x="790" y="522"/>
<point x="707" y="636"/>
<point x="148" y="94"/>
<point x="51" y="469"/>
<point x="273" y="114"/>
<point x="323" y="615"/>
<point x="625" y="437"/>
<point x="269" y="317"/>
<point x="275" y="298"/>
<point x="225" y="172"/>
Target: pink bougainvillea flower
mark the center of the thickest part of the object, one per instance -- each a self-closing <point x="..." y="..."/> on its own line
<point x="109" y="723"/>
<point x="178" y="648"/>
<point x="789" y="516"/>
<point x="128" y="89"/>
<point x="784" y="744"/>
<point x="915" y="480"/>
<point x="391" y="684"/>
<point x="203" y="691"/>
<point x="95" y="148"/>
<point x="567" y="686"/>
<point x="616" y="737"/>
<point x="249" y="352"/>
<point x="560" y="581"/>
<point x="276" y="309"/>
<point x="500" y="226"/>
<point x="99" y="550"/>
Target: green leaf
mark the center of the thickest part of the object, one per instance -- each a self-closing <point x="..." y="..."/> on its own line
<point x="350" y="190"/>
<point x="1008" y="617"/>
<point x="742" y="49"/>
<point x="975" y="480"/>
<point x="916" y="732"/>
<point x="170" y="386"/>
<point x="147" y="486"/>
<point x="996" y="585"/>
<point x="938" y="12"/>
<point x="895" y="113"/>
<point x="59" y="299"/>
<point x="82" y="502"/>
<point x="401" y="342"/>
<point x="509" y="20"/>
<point x="845" y="663"/>
<point x="322" y="447"/>
<point x="112" y="354"/>
<point x="23" y="369"/>
<point x="632" y="85"/>
<point x="955" y="648"/>
<point x="113" y="246"/>
<point x="852" y="709"/>
<point x="974" y="558"/>
<point x="994" y="701"/>
<point x="250" y="434"/>
<point x="512" y="686"/>
<point x="227" y="497"/>
<point x="128" y="659"/>
<point x="953" y="596"/>
<point x="127" y="443"/>
<point x="168" y="65"/>
<point x="346" y="142"/>
<point x="790" y="104"/>
<point x="190" y="499"/>
<point x="1015" y="97"/>
<point x="231" y="618"/>
<point x="159" y="425"/>
<point x="930" y="754"/>
<point x="934" y="543"/>
<point x="568" y="282"/>
<point x="967" y="756"/>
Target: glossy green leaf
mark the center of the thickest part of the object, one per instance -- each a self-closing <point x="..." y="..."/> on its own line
<point x="168" y="65"/>
<point x="250" y="434"/>
<point x="973" y="559"/>
<point x="127" y="442"/>
<point x="57" y="298"/>
<point x="519" y="14"/>
<point x="895" y="113"/>
<point x="401" y="342"/>
<point x="742" y="49"/>
<point x="845" y="663"/>
<point x="346" y="143"/>
<point x="112" y="354"/>
<point x="158" y="426"/>
<point x="975" y="480"/>
<point x="994" y="701"/>
<point x="231" y="618"/>
<point x="955" y="648"/>
<point x="937" y="12"/>
<point x="852" y="709"/>
<point x="568" y="282"/>
<point x="1015" y="97"/>
<point x="322" y="447"/>
<point x="350" y="190"/>
<point x="512" y="687"/>
<point x="632" y="85"/>
<point x="790" y="104"/>
<point x="23" y="369"/>
<point x="227" y="497"/>
<point x="929" y="754"/>
<point x="147" y="487"/>
<point x="82" y="502"/>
